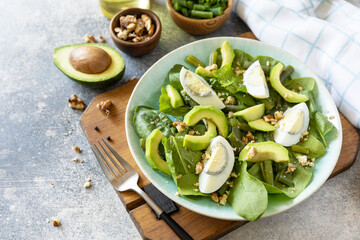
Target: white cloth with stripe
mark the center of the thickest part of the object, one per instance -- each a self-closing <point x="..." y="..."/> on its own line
<point x="324" y="34"/>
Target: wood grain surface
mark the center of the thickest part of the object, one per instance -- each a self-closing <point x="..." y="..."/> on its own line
<point x="198" y="226"/>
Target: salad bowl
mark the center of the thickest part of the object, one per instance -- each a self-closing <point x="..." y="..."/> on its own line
<point x="148" y="90"/>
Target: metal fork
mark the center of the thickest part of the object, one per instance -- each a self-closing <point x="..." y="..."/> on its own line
<point x="123" y="177"/>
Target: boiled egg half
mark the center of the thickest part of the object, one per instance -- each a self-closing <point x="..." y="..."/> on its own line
<point x="217" y="166"/>
<point x="291" y="127"/>
<point x="255" y="81"/>
<point x="199" y="90"/>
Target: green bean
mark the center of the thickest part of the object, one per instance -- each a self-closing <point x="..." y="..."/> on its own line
<point x="190" y="4"/>
<point x="181" y="2"/>
<point x="300" y="149"/>
<point x="255" y="169"/>
<point x="260" y="137"/>
<point x="185" y="12"/>
<point x="201" y="14"/>
<point x="213" y="58"/>
<point x="207" y="5"/>
<point x="241" y="125"/>
<point x="143" y="143"/>
<point x="201" y="1"/>
<point x="199" y="7"/>
<point x="193" y="60"/>
<point x="216" y="11"/>
<point x="177" y="6"/>
<point x="288" y="70"/>
<point x="283" y="179"/>
<point x="267" y="171"/>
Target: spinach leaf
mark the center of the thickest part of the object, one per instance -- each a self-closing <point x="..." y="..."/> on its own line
<point x="174" y="77"/>
<point x="165" y="105"/>
<point x="181" y="162"/>
<point x="147" y="119"/>
<point x="311" y="102"/>
<point x="229" y="79"/>
<point x="316" y="148"/>
<point x="248" y="197"/>
<point x="306" y="83"/>
<point x="323" y="126"/>
<point x="242" y="60"/>
<point x="271" y="101"/>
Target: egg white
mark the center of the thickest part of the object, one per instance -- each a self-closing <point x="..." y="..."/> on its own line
<point x="282" y="135"/>
<point x="206" y="97"/>
<point x="209" y="180"/>
<point x="255" y="81"/>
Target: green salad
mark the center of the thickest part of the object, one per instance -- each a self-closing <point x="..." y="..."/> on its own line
<point x="235" y="130"/>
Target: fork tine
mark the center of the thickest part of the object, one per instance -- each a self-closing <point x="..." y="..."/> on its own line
<point x="124" y="163"/>
<point x="116" y="163"/>
<point x="111" y="166"/>
<point x="103" y="164"/>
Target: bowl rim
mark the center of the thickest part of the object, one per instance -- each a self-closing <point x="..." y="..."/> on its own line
<point x="299" y="199"/>
<point x="148" y="12"/>
<point x="225" y="14"/>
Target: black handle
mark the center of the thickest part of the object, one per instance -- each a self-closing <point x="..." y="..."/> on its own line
<point x="176" y="227"/>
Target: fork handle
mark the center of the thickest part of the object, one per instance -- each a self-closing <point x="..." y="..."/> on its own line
<point x="163" y="215"/>
<point x="175" y="227"/>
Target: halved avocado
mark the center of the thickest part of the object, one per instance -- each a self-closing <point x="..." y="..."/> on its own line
<point x="210" y="113"/>
<point x="201" y="142"/>
<point x="91" y="64"/>
<point x="287" y="94"/>
<point x="227" y="54"/>
<point x="259" y="152"/>
<point x="261" y="125"/>
<point x="251" y="113"/>
<point x="152" y="154"/>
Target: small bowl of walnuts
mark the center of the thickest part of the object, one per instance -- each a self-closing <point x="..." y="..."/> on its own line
<point x="135" y="31"/>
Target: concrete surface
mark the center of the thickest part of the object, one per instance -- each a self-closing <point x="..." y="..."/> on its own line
<point x="35" y="151"/>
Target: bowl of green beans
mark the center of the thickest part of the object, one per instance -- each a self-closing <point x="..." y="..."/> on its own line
<point x="199" y="17"/>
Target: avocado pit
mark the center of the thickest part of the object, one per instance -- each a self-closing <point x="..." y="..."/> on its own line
<point x="90" y="59"/>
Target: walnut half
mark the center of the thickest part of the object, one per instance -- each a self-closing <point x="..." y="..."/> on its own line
<point x="76" y="102"/>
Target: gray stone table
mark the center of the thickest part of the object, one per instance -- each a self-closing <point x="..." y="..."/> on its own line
<point x="36" y="153"/>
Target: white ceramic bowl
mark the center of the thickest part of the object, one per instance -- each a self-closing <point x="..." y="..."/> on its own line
<point x="147" y="92"/>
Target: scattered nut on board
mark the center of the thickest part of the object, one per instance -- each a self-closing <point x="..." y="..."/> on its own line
<point x="89" y="38"/>
<point x="56" y="223"/>
<point x="76" y="149"/>
<point x="135" y="29"/>
<point x="105" y="106"/>
<point x="76" y="102"/>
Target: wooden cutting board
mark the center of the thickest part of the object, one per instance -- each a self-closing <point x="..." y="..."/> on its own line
<point x="198" y="226"/>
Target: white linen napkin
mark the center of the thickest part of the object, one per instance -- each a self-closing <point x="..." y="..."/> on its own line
<point x="324" y="34"/>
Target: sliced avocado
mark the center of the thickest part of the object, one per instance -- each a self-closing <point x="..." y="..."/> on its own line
<point x="259" y="152"/>
<point x="201" y="142"/>
<point x="175" y="98"/>
<point x="261" y="125"/>
<point x="251" y="113"/>
<point x="288" y="95"/>
<point x="91" y="64"/>
<point x="152" y="154"/>
<point x="203" y="72"/>
<point x="227" y="54"/>
<point x="208" y="112"/>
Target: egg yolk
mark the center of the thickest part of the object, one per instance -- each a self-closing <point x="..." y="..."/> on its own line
<point x="196" y="85"/>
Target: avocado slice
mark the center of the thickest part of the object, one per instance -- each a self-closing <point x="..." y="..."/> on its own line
<point x="259" y="152"/>
<point x="287" y="94"/>
<point x="227" y="54"/>
<point x="208" y="112"/>
<point x="203" y="72"/>
<point x="175" y="98"/>
<point x="261" y="125"/>
<point x="251" y="113"/>
<point x="110" y="74"/>
<point x="152" y="154"/>
<point x="201" y="142"/>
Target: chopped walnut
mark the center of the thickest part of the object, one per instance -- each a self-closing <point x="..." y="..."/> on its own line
<point x="76" y="149"/>
<point x="304" y="133"/>
<point x="300" y="89"/>
<point x="212" y="67"/>
<point x="302" y="160"/>
<point x="199" y="167"/>
<point x="245" y="140"/>
<point x="89" y="39"/>
<point x="87" y="185"/>
<point x="252" y="152"/>
<point x="56" y="223"/>
<point x="122" y="33"/>
<point x="140" y="27"/>
<point x="214" y="197"/>
<point x="231" y="184"/>
<point x="179" y="176"/>
<point x="76" y="102"/>
<point x="268" y="118"/>
<point x="180" y="126"/>
<point x="196" y="184"/>
<point x="230" y="101"/>
<point x="105" y="106"/>
<point x="279" y="115"/>
<point x="223" y="199"/>
<point x="135" y="29"/>
<point x="239" y="71"/>
<point x="291" y="168"/>
<point x="125" y="21"/>
<point x="191" y="132"/>
<point x="101" y="39"/>
<point x="230" y="114"/>
<point x="233" y="175"/>
<point x="250" y="136"/>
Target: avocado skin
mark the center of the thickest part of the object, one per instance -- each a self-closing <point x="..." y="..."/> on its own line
<point x="152" y="154"/>
<point x="104" y="82"/>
